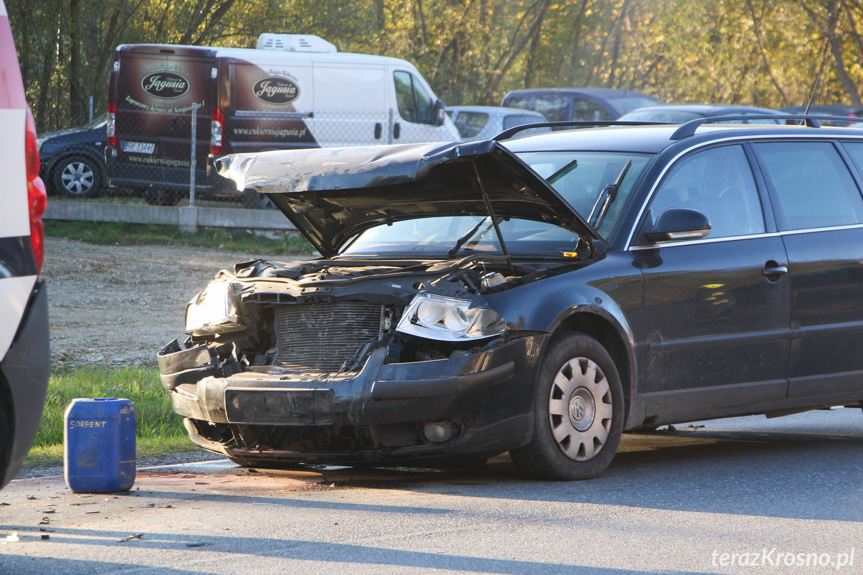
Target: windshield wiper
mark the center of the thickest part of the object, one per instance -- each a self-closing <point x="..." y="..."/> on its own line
<point x="607" y="196"/>
<point x="463" y="240"/>
<point x="562" y="172"/>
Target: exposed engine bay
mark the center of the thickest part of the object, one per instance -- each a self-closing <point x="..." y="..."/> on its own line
<point x="325" y="317"/>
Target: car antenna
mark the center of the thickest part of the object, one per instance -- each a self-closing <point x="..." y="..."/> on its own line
<point x="493" y="217"/>
<point x="817" y="78"/>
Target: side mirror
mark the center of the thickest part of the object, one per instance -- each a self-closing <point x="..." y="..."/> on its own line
<point x="439" y="113"/>
<point x="678" y="224"/>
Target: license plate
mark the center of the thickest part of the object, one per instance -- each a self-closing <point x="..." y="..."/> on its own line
<point x="139" y="147"/>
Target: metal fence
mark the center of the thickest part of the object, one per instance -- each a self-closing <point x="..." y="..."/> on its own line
<point x="168" y="158"/>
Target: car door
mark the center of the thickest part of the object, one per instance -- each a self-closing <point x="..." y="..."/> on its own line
<point x="717" y="308"/>
<point x="819" y="212"/>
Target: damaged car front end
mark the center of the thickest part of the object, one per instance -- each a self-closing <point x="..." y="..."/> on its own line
<point x="408" y="340"/>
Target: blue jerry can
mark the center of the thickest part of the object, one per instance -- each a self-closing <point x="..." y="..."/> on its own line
<point x="99" y="441"/>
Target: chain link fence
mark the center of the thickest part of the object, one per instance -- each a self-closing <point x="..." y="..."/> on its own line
<point x="168" y="159"/>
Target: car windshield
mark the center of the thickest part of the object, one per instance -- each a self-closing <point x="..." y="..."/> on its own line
<point x="584" y="180"/>
<point x="456" y="236"/>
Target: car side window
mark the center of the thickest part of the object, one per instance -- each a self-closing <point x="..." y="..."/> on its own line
<point x="469" y="124"/>
<point x="584" y="110"/>
<point x="413" y="100"/>
<point x="554" y="108"/>
<point x="813" y="186"/>
<point x="718" y="183"/>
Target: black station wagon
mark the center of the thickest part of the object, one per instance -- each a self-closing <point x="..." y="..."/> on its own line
<point x="537" y="295"/>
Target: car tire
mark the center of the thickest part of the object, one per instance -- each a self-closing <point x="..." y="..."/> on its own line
<point x="76" y="177"/>
<point x="578" y="409"/>
<point x="155" y="197"/>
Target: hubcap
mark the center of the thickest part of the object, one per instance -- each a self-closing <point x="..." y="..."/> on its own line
<point x="77" y="178"/>
<point x="580" y="408"/>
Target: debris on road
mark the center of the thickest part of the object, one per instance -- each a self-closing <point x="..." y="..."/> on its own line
<point x="136" y="536"/>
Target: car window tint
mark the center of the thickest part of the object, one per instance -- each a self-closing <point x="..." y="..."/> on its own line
<point x="469" y="124"/>
<point x="856" y="152"/>
<point x="519" y="120"/>
<point x="589" y="111"/>
<point x="719" y="183"/>
<point x="425" y="102"/>
<point x="405" y="96"/>
<point x="554" y="108"/>
<point x="812" y="184"/>
<point x="414" y="102"/>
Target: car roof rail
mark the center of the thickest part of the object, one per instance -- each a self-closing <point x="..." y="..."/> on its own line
<point x="811" y="120"/>
<point x="507" y="134"/>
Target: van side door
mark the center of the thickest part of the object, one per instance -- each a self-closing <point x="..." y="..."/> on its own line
<point x="351" y="104"/>
<point x="414" y="117"/>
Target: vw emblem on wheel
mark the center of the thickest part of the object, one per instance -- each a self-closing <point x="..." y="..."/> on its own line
<point x="577" y="408"/>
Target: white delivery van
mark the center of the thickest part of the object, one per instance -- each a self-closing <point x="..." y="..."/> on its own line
<point x="291" y="91"/>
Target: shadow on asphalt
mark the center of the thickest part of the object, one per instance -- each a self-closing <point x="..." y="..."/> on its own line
<point x="771" y="474"/>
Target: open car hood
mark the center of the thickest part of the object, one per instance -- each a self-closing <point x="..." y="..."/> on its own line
<point x="332" y="194"/>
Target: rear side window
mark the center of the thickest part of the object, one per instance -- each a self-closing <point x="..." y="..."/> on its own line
<point x="554" y="108"/>
<point x="414" y="102"/>
<point x="718" y="183"/>
<point x="469" y="124"/>
<point x="811" y="183"/>
<point x="589" y="111"/>
<point x="519" y="120"/>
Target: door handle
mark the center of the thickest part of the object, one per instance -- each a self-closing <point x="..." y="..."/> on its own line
<point x="379" y="128"/>
<point x="772" y="271"/>
<point x="397" y="130"/>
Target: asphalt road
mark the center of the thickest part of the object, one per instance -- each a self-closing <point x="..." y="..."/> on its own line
<point x="746" y="495"/>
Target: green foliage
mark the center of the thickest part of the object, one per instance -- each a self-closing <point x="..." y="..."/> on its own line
<point x="115" y="233"/>
<point x="759" y="52"/>
<point x="157" y="424"/>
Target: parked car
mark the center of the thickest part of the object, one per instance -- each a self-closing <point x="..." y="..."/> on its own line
<point x="578" y="104"/>
<point x="539" y="296"/>
<point x="73" y="161"/>
<point x="24" y="352"/>
<point x="682" y="113"/>
<point x="486" y="122"/>
<point x="836" y="110"/>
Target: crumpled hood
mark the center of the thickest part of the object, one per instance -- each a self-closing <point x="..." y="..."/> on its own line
<point x="331" y="194"/>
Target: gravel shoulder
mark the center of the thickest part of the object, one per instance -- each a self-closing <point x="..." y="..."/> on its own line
<point x="119" y="305"/>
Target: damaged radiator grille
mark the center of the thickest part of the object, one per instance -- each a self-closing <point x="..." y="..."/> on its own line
<point x="322" y="337"/>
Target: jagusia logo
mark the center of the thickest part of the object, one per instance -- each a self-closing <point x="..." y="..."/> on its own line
<point x="276" y="90"/>
<point x="165" y="84"/>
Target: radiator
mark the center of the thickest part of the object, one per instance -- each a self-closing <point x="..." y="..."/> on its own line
<point x="323" y="336"/>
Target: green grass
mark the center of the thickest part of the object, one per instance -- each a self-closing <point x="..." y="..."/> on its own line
<point x="159" y="429"/>
<point x="121" y="234"/>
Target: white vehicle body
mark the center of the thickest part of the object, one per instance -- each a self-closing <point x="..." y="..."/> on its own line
<point x="24" y="351"/>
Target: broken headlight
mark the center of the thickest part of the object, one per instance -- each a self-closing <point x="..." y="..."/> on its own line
<point x="449" y="319"/>
<point x="213" y="311"/>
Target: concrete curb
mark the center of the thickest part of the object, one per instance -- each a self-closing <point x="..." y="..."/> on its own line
<point x="186" y="217"/>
